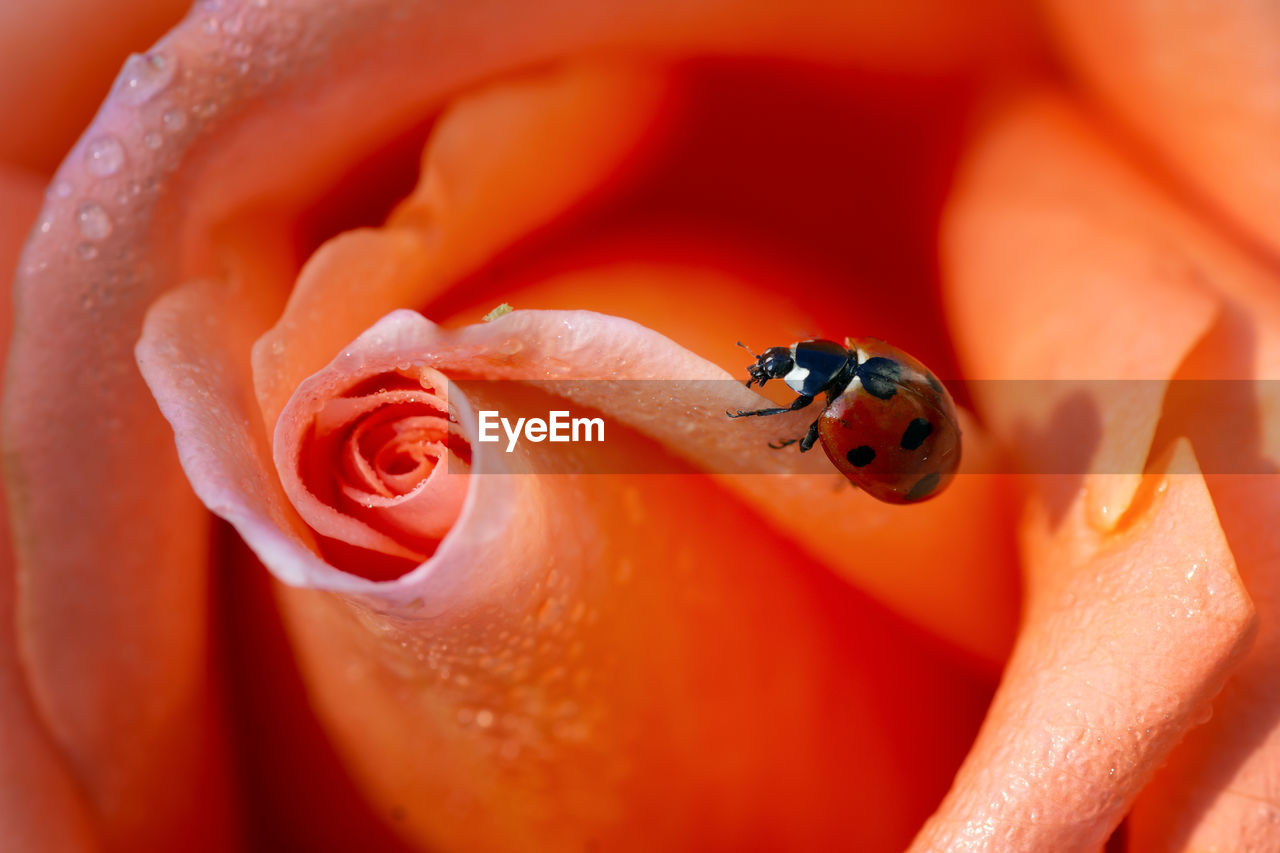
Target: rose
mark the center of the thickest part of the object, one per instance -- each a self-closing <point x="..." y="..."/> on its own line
<point x="1055" y="572"/>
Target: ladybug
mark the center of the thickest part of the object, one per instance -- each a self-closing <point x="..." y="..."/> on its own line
<point x="888" y="425"/>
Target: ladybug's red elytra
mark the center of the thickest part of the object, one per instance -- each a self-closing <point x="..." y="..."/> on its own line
<point x="888" y="425"/>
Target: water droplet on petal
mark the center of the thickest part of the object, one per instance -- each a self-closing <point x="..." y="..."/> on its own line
<point x="174" y="120"/>
<point x="87" y="251"/>
<point x="143" y="76"/>
<point x="209" y="26"/>
<point x="104" y="156"/>
<point x="153" y="140"/>
<point x="93" y="220"/>
<point x="62" y="189"/>
<point x="46" y="225"/>
<point x="231" y="26"/>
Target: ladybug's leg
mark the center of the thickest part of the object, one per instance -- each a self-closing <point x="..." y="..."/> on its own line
<point x="810" y="438"/>
<point x="798" y="403"/>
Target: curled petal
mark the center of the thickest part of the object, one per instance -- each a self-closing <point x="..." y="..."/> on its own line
<point x="1127" y="639"/>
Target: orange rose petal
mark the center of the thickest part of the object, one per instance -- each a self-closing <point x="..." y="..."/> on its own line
<point x="478" y="193"/>
<point x="57" y="59"/>
<point x="505" y="159"/>
<point x="40" y="806"/>
<point x="1220" y="790"/>
<point x="367" y="273"/>
<point x="1127" y="638"/>
<point x="613" y="698"/>
<point x="1053" y="295"/>
<point x="75" y="703"/>
<point x="1197" y="81"/>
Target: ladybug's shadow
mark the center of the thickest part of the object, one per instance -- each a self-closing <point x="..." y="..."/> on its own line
<point x="1059" y="453"/>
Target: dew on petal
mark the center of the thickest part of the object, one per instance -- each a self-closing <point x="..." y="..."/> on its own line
<point x="104" y="156"/>
<point x="87" y="251"/>
<point x="153" y="140"/>
<point x="144" y="76"/>
<point x="174" y="119"/>
<point x="62" y="189"/>
<point x="93" y="221"/>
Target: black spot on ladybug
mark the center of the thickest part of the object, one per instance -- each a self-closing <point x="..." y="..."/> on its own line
<point x="915" y="433"/>
<point x="924" y="486"/>
<point x="860" y="456"/>
<point x="880" y="376"/>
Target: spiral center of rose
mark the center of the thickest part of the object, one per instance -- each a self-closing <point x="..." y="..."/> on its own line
<point x="391" y="451"/>
<point x="384" y="466"/>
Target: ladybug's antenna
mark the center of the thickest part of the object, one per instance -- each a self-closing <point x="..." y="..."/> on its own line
<point x="748" y="349"/>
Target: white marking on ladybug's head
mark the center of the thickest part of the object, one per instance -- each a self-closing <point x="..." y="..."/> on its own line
<point x="796" y="377"/>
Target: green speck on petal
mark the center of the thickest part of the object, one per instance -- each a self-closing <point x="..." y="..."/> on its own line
<point x="504" y="308"/>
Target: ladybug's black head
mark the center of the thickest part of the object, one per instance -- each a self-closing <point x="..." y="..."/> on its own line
<point x="773" y="363"/>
